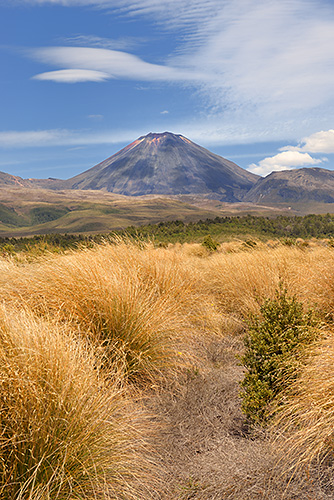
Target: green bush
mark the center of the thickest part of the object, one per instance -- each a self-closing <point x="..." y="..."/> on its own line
<point x="210" y="244"/>
<point x="274" y="348"/>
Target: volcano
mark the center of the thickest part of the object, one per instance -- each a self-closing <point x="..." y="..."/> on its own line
<point x="167" y="164"/>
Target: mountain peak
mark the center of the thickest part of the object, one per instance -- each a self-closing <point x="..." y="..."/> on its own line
<point x="157" y="135"/>
<point x="160" y="138"/>
<point x="168" y="164"/>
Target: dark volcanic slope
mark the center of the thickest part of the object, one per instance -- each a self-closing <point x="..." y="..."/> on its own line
<point x="291" y="186"/>
<point x="166" y="164"/>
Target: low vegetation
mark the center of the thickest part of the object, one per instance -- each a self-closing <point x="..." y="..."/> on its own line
<point x="136" y="307"/>
<point x="131" y="370"/>
<point x="64" y="431"/>
<point x="248" y="228"/>
<point x="281" y="226"/>
<point x="274" y="346"/>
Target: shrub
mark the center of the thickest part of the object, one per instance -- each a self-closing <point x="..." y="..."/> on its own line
<point x="8" y="249"/>
<point x="210" y="244"/>
<point x="273" y="351"/>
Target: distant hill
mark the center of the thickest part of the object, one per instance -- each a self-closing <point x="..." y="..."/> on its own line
<point x="13" y="180"/>
<point x="305" y="185"/>
<point x="16" y="181"/>
<point x="167" y="164"/>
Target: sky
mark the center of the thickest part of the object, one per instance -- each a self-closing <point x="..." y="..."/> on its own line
<point x="252" y="81"/>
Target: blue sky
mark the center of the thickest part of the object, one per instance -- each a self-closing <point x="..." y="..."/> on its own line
<point x="250" y="80"/>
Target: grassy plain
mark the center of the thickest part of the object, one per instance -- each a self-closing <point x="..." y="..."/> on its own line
<point x="28" y="211"/>
<point x="120" y="378"/>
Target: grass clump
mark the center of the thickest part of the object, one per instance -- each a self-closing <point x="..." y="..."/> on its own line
<point x="306" y="421"/>
<point x="274" y="345"/>
<point x="63" y="429"/>
<point x="137" y="306"/>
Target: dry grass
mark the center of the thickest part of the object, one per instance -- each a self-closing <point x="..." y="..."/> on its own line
<point x="242" y="280"/>
<point x="206" y="450"/>
<point x="307" y="420"/>
<point x="152" y="313"/>
<point x="65" y="432"/>
<point x="139" y="308"/>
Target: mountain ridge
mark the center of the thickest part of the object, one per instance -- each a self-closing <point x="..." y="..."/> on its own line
<point x="303" y="185"/>
<point x="167" y="164"/>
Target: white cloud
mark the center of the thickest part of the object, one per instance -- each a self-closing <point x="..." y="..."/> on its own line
<point x="165" y="112"/>
<point x="286" y="160"/>
<point x="73" y="76"/>
<point x="93" y="64"/>
<point x="320" y="142"/>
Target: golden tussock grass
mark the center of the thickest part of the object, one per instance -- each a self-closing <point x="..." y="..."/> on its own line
<point x="139" y="307"/>
<point x="241" y="281"/>
<point x="306" y="421"/>
<point x="65" y="432"/>
<point x="123" y="312"/>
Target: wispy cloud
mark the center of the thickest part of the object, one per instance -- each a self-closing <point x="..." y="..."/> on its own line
<point x="124" y="43"/>
<point x="95" y="117"/>
<point x="286" y="160"/>
<point x="208" y="136"/>
<point x="271" y="56"/>
<point x="92" y="64"/>
<point x="63" y="137"/>
<point x="269" y="60"/>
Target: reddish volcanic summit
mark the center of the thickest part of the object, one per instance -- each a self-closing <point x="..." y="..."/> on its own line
<point x="166" y="164"/>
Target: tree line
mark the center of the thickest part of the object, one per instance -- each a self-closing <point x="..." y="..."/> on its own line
<point x="221" y="228"/>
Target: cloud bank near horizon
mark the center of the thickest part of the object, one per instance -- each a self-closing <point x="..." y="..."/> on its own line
<point x="14" y="139"/>
<point x="287" y="160"/>
<point x="297" y="156"/>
